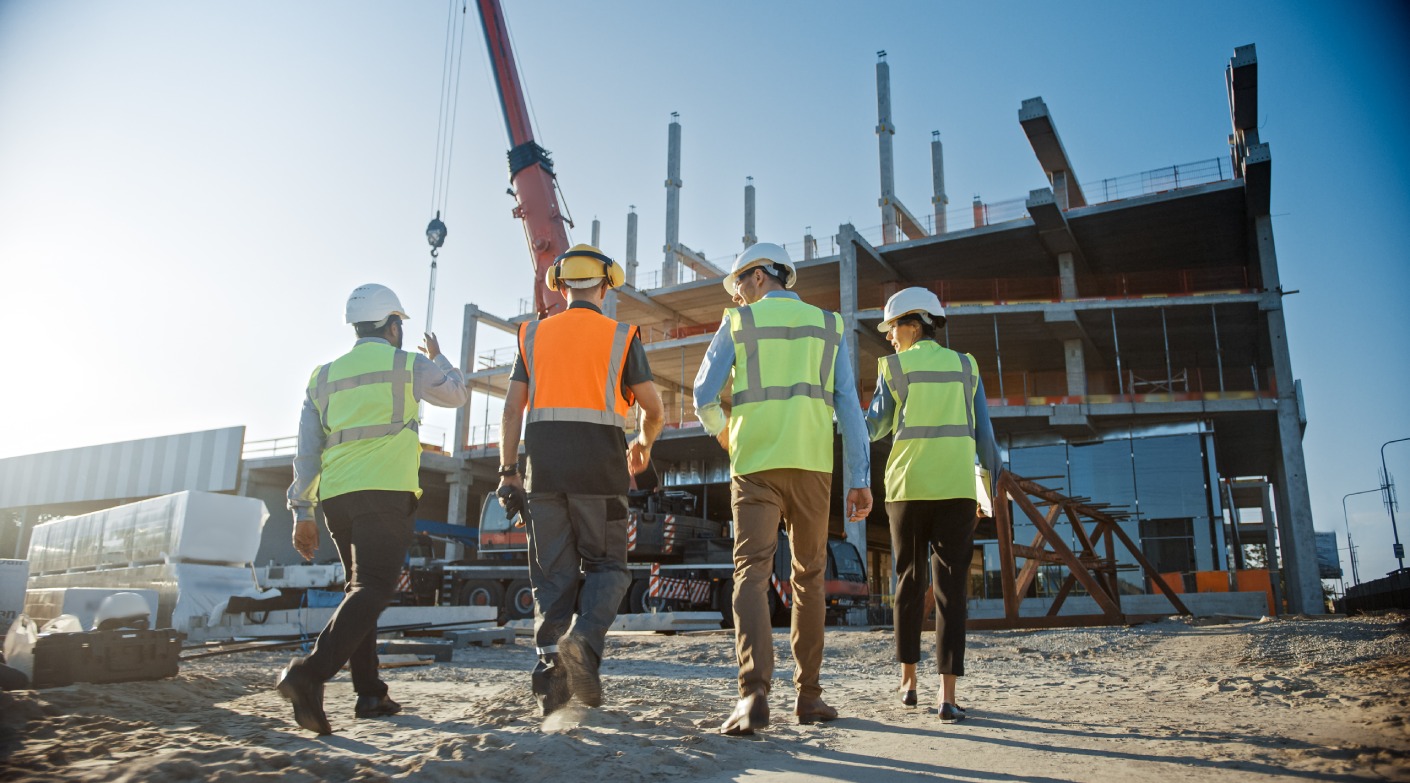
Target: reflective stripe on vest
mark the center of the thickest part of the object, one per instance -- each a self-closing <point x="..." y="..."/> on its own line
<point x="785" y="355"/>
<point x="367" y="407"/>
<point x="609" y="409"/>
<point x="932" y="452"/>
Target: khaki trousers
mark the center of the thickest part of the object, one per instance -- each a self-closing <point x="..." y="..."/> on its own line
<point x="800" y="500"/>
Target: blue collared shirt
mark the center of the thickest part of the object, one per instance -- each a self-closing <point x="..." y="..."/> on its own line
<point x="436" y="382"/>
<point x="715" y="371"/>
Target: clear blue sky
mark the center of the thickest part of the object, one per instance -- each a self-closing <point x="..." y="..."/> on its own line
<point x="189" y="190"/>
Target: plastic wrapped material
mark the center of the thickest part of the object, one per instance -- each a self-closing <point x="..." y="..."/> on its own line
<point x="187" y="526"/>
<point x="13" y="575"/>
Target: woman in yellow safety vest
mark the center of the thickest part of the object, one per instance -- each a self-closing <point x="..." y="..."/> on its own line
<point x="932" y="399"/>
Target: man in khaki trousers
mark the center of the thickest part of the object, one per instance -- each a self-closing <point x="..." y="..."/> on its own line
<point x="791" y="373"/>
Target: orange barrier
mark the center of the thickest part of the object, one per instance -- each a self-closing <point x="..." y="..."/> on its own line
<point x="1253" y="580"/>
<point x="1211" y="581"/>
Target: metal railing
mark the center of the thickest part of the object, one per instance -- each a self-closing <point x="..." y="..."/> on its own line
<point x="288" y="445"/>
<point x="981" y="213"/>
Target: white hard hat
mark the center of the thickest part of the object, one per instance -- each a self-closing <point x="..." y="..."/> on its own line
<point x="123" y="610"/>
<point x="912" y="300"/>
<point x="764" y="254"/>
<point x="373" y="302"/>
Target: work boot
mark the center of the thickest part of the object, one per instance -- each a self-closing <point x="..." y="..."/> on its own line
<point x="812" y="709"/>
<point x="550" y="686"/>
<point x="580" y="663"/>
<point x="750" y="715"/>
<point x="306" y="694"/>
<point x="375" y="706"/>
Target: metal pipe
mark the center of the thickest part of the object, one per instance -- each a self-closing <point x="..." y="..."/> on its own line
<point x="1165" y="333"/>
<point x="1389" y="489"/>
<point x="998" y="357"/>
<point x="1355" y="574"/>
<point x="1218" y="352"/>
<point x="1116" y="344"/>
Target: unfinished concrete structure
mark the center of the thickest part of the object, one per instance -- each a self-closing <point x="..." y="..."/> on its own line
<point x="1129" y="332"/>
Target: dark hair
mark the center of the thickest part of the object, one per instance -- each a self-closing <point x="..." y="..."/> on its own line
<point x="371" y="329"/>
<point x="927" y="330"/>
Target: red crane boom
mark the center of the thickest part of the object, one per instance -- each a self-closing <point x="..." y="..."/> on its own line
<point x="530" y="168"/>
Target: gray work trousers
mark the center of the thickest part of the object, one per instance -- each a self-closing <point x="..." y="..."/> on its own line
<point x="576" y="541"/>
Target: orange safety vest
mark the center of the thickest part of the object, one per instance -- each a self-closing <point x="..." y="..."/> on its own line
<point x="575" y="360"/>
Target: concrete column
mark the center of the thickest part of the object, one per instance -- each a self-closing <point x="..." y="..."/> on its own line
<point x="597" y="233"/>
<point x="810" y="244"/>
<point x="1293" y="498"/>
<point x="458" y="509"/>
<point x="884" y="131"/>
<point x="1067" y="275"/>
<point x="937" y="170"/>
<point x="469" y="326"/>
<point x="1074" y="353"/>
<point x="670" y="267"/>
<point x="1059" y="179"/>
<point x="980" y="219"/>
<point x="631" y="247"/>
<point x="749" y="235"/>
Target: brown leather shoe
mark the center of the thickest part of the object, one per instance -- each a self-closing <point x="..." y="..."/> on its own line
<point x="750" y="714"/>
<point x="813" y="710"/>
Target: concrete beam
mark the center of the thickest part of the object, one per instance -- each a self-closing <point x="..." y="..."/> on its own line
<point x="1241" y="78"/>
<point x="646" y="300"/>
<point x="873" y="253"/>
<point x="1258" y="180"/>
<point x="1042" y="134"/>
<point x="696" y="261"/>
<point x="907" y="222"/>
<point x="1265" y="301"/>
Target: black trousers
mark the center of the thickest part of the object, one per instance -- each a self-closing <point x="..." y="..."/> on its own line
<point x="943" y="530"/>
<point x="372" y="530"/>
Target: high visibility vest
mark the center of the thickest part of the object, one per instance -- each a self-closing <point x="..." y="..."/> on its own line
<point x="932" y="453"/>
<point x="368" y="410"/>
<point x="575" y="361"/>
<point x="784" y="356"/>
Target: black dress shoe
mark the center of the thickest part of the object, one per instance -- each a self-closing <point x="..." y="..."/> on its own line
<point x="951" y="713"/>
<point x="375" y="706"/>
<point x="306" y="695"/>
<point x="750" y="715"/>
<point x="909" y="698"/>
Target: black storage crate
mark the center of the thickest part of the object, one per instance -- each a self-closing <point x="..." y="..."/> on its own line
<point x="105" y="656"/>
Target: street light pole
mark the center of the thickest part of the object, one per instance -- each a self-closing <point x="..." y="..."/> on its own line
<point x="1354" y="573"/>
<point x="1390" y="503"/>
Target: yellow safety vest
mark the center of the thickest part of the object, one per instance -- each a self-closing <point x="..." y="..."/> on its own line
<point x="932" y="454"/>
<point x="784" y="356"/>
<point x="368" y="410"/>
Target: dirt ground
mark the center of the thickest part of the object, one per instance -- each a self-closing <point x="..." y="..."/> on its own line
<point x="1176" y="700"/>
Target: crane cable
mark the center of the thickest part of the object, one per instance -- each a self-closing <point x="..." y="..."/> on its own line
<point x="451" y="60"/>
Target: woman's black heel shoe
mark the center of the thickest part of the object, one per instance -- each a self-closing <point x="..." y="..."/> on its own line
<point x="908" y="698"/>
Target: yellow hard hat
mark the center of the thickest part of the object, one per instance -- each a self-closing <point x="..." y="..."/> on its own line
<point x="584" y="262"/>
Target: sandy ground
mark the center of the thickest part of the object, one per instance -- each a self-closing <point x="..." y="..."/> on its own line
<point x="1176" y="700"/>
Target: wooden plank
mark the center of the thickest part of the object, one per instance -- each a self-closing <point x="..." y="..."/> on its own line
<point x="1006" y="565"/>
<point x="1078" y="570"/>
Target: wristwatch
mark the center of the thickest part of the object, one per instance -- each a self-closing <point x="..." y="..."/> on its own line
<point x="509" y="470"/>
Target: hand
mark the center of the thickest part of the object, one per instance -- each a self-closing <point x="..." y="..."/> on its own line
<point x="512" y="498"/>
<point x="858" y="503"/>
<point x="638" y="456"/>
<point x="305" y="537"/>
<point x="430" y="345"/>
<point x="723" y="439"/>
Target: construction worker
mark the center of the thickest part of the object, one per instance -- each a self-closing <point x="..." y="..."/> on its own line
<point x="577" y="375"/>
<point x="932" y="399"/>
<point x="792" y="372"/>
<point x="359" y="455"/>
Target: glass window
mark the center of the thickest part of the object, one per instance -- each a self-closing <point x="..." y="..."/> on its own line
<point x="1102" y="472"/>
<point x="1170" y="477"/>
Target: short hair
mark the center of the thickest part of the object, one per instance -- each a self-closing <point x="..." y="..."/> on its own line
<point x="375" y="328"/>
<point x="927" y="330"/>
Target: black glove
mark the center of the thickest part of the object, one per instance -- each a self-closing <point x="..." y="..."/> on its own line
<point x="513" y="499"/>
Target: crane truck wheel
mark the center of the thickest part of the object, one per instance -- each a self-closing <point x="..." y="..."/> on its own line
<point x="480" y="592"/>
<point x="519" y="600"/>
<point x="723" y="601"/>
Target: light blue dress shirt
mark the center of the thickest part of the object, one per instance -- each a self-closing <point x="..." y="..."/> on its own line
<point x="847" y="406"/>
